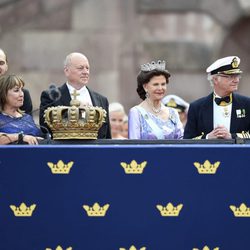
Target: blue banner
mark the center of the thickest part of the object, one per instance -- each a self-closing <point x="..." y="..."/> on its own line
<point x="125" y="197"/>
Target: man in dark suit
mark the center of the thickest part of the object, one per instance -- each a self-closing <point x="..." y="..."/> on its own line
<point x="223" y="114"/>
<point x="76" y="70"/>
<point x="27" y="103"/>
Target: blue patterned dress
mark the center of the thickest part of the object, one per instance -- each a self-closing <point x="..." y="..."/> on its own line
<point x="140" y="125"/>
<point x="12" y="125"/>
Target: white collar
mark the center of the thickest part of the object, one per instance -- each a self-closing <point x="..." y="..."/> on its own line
<point x="81" y="90"/>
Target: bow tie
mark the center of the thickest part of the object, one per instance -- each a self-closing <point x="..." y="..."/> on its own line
<point x="223" y="101"/>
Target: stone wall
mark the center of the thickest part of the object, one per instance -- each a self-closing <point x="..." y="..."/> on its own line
<point x="118" y="36"/>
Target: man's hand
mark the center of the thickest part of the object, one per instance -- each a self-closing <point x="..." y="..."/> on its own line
<point x="219" y="132"/>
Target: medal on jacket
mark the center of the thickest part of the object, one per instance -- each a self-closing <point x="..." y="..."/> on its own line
<point x="225" y="112"/>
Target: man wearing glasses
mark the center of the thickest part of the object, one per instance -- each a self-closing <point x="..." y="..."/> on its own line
<point x="223" y="114"/>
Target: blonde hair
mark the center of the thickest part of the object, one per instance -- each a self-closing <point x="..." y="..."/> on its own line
<point x="116" y="107"/>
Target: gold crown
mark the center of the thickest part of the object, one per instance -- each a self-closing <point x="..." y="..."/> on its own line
<point x="241" y="211"/>
<point x="206" y="248"/>
<point x="207" y="167"/>
<point x="132" y="248"/>
<point x="96" y="210"/>
<point x="60" y="167"/>
<point x="74" y="122"/>
<point x="23" y="210"/>
<point x="169" y="209"/>
<point x="133" y="167"/>
<point x="60" y="248"/>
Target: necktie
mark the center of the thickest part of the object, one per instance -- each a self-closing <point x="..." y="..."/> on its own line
<point x="222" y="101"/>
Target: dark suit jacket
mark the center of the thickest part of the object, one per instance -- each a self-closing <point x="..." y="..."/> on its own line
<point x="97" y="100"/>
<point x="200" y="116"/>
<point x="27" y="102"/>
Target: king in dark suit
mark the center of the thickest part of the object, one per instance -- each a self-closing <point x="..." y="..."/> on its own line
<point x="76" y="69"/>
<point x="223" y="114"/>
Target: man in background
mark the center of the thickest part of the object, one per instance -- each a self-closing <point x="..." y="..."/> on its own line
<point x="176" y="102"/>
<point x="27" y="103"/>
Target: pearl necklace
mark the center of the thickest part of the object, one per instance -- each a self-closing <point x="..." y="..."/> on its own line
<point x="155" y="110"/>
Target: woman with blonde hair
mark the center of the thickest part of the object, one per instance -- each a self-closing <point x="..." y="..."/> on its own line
<point x="116" y="116"/>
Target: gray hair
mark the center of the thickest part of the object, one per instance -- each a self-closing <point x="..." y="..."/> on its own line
<point x="67" y="60"/>
<point x="210" y="78"/>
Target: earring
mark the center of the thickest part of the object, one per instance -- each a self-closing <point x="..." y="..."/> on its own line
<point x="147" y="94"/>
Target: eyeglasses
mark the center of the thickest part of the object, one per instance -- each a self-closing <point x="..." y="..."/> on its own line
<point x="231" y="77"/>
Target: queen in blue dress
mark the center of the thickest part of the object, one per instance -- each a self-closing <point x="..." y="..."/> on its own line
<point x="151" y="119"/>
<point x="15" y="125"/>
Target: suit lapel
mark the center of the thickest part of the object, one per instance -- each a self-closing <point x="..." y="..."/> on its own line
<point x="94" y="99"/>
<point x="207" y="111"/>
<point x="65" y="98"/>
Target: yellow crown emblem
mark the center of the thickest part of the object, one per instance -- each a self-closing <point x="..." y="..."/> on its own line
<point x="60" y="167"/>
<point x="207" y="167"/>
<point x="206" y="248"/>
<point x="96" y="210"/>
<point x="172" y="103"/>
<point x="132" y="248"/>
<point x="133" y="167"/>
<point x="241" y="211"/>
<point x="235" y="63"/>
<point x="23" y="210"/>
<point x="60" y="248"/>
<point x="75" y="122"/>
<point x="169" y="210"/>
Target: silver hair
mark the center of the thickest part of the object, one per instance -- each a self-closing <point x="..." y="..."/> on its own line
<point x="210" y="78"/>
<point x="67" y="60"/>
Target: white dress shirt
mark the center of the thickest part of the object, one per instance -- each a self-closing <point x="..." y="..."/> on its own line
<point x="83" y="97"/>
<point x="222" y="115"/>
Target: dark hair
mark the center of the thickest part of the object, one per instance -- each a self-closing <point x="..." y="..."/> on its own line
<point x="8" y="82"/>
<point x="145" y="76"/>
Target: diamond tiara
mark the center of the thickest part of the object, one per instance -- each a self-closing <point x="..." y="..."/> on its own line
<point x="160" y="65"/>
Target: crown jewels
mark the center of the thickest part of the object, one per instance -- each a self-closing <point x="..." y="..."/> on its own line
<point x="75" y="122"/>
<point x="132" y="248"/>
<point x="160" y="65"/>
<point x="60" y="167"/>
<point x="133" y="167"/>
<point x="96" y="210"/>
<point x="207" y="167"/>
<point x="241" y="211"/>
<point x="206" y="248"/>
<point x="23" y="210"/>
<point x="60" y="248"/>
<point x="169" y="209"/>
